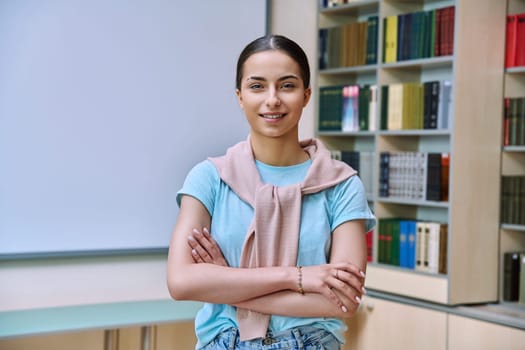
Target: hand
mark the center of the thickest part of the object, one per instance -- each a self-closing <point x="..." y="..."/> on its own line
<point x="204" y="249"/>
<point x="341" y="283"/>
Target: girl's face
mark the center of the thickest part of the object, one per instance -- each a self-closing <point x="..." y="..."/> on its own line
<point x="272" y="94"/>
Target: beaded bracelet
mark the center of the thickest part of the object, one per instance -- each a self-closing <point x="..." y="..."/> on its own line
<point x="300" y="281"/>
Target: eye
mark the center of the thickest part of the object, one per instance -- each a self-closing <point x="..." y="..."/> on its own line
<point x="255" y="86"/>
<point x="288" y="85"/>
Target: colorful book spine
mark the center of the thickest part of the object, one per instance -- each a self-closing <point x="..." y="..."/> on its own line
<point x="390" y="39"/>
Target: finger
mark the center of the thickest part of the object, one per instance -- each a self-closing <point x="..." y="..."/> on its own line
<point x="351" y="268"/>
<point x="206" y="243"/>
<point x="199" y="251"/>
<point x="196" y="257"/>
<point x="339" y="299"/>
<point x="350" y="280"/>
<point x="210" y="245"/>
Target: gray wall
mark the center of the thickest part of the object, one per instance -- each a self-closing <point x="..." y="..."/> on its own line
<point x="104" y="107"/>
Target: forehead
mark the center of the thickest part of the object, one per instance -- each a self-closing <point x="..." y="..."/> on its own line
<point x="271" y="62"/>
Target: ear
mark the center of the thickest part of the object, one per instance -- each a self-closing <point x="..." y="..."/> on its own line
<point x="239" y="97"/>
<point x="307" y="95"/>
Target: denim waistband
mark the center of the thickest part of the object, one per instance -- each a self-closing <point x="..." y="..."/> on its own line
<point x="300" y="338"/>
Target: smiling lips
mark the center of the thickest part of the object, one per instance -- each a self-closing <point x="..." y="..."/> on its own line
<point x="272" y="116"/>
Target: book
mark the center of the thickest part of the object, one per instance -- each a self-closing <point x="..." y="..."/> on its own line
<point x="431" y="101"/>
<point x="520" y="39"/>
<point x="363" y="107"/>
<point x="350" y="113"/>
<point x="395" y="107"/>
<point x="443" y="248"/>
<point x="369" y="245"/>
<point x="390" y="39"/>
<point x="521" y="298"/>
<point x="433" y="246"/>
<point x="420" y="246"/>
<point x="511" y="276"/>
<point x="444" y="104"/>
<point x="372" y="108"/>
<point x="433" y="176"/>
<point x="411" y="238"/>
<point x="506" y="121"/>
<point x="510" y="41"/>
<point x="403" y="243"/>
<point x="330" y="108"/>
<point x="446" y="35"/>
<point x="384" y="166"/>
<point x="371" y="40"/>
<point x="383" y="117"/>
<point x="445" y="171"/>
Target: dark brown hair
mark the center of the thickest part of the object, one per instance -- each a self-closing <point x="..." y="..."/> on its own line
<point x="275" y="42"/>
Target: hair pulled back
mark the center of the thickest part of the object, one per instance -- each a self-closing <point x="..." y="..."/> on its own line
<point x="274" y="42"/>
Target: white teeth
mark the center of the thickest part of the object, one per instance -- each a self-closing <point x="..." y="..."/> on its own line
<point x="273" y="116"/>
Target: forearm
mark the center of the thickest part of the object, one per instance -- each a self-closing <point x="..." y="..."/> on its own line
<point x="225" y="285"/>
<point x="294" y="304"/>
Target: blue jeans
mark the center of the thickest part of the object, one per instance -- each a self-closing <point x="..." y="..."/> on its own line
<point x="301" y="338"/>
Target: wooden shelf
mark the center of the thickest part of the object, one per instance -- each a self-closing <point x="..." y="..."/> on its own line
<point x="473" y="141"/>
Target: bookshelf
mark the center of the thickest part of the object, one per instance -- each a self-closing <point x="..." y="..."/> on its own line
<point x="472" y="139"/>
<point x="512" y="236"/>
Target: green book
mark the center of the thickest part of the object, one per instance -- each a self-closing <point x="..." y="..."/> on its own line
<point x="432" y="34"/>
<point x="383" y="121"/>
<point x="371" y="40"/>
<point x="363" y="107"/>
<point x="394" y="245"/>
<point x="330" y="108"/>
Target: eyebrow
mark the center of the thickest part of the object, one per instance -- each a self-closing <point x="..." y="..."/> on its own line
<point x="285" y="77"/>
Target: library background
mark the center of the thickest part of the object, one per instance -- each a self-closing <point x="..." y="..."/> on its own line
<point x="427" y="100"/>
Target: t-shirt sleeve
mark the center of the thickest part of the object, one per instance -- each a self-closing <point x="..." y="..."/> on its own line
<point x="201" y="183"/>
<point x="350" y="203"/>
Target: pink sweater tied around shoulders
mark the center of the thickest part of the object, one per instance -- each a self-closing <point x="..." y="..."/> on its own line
<point x="273" y="235"/>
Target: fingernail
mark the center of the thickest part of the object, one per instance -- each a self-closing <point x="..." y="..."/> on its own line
<point x="362" y="274"/>
<point x="190" y="238"/>
<point x="363" y="290"/>
<point x="193" y="252"/>
<point x="195" y="231"/>
<point x="358" y="299"/>
<point x="206" y="230"/>
<point x="344" y="308"/>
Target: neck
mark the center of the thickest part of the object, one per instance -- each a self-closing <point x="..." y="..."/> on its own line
<point x="278" y="151"/>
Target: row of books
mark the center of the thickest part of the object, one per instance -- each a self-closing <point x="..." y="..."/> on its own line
<point x="421" y="34"/>
<point x="514" y="276"/>
<point x="352" y="44"/>
<point x="426" y="105"/>
<point x="514" y="121"/>
<point x="414" y="175"/>
<point x="333" y="3"/>
<point x="513" y="199"/>
<point x="362" y="162"/>
<point x="515" y="41"/>
<point x="347" y="108"/>
<point x="413" y="244"/>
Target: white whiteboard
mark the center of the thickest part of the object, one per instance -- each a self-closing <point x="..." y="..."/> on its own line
<point x="104" y="107"/>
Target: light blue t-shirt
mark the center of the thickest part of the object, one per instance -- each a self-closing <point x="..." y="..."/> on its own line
<point x="321" y="213"/>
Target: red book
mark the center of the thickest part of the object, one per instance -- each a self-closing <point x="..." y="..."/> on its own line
<point x="520" y="40"/>
<point x="445" y="168"/>
<point x="446" y="30"/>
<point x="369" y="244"/>
<point x="510" y="43"/>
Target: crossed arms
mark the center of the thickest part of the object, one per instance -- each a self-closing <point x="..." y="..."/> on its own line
<point x="198" y="271"/>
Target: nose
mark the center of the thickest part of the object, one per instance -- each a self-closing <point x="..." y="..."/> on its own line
<point x="273" y="99"/>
